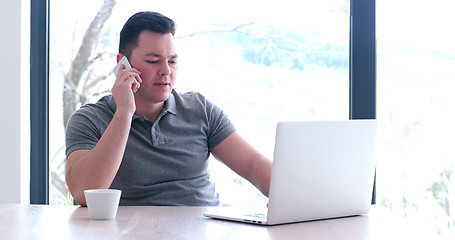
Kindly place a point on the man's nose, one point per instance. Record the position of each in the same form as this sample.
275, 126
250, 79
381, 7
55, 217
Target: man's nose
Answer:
165, 69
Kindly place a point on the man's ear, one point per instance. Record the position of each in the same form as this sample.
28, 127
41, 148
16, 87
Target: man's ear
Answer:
119, 56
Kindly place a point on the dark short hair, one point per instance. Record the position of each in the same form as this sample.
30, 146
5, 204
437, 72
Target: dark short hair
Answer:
139, 22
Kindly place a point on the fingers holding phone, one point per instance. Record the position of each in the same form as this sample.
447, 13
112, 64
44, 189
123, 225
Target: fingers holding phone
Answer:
127, 82
137, 80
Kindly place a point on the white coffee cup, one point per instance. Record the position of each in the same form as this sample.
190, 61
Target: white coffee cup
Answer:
102, 203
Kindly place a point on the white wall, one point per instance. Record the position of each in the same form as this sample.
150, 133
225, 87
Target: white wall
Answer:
14, 101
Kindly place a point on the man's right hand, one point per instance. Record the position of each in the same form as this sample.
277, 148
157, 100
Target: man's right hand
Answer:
122, 91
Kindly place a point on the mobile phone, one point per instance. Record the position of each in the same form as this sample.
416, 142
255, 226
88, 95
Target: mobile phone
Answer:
123, 61
127, 64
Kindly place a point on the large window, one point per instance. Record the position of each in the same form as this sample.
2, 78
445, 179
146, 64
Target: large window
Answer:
281, 61
416, 59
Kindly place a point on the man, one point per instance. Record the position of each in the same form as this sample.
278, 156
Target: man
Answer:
154, 144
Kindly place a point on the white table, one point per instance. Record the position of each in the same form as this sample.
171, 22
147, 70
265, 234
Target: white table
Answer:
72, 222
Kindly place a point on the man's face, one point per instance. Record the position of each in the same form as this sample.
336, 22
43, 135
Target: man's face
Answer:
156, 58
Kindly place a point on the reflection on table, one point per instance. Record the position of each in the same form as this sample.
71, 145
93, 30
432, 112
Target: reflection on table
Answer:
151, 222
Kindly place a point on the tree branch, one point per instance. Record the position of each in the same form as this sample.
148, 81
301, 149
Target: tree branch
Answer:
235, 29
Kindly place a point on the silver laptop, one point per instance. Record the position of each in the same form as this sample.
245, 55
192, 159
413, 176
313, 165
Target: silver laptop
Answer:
321, 170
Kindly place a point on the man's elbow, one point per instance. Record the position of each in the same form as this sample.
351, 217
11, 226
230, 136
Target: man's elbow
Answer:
81, 200
78, 194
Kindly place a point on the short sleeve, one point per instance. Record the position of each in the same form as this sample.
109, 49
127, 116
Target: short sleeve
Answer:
82, 130
220, 126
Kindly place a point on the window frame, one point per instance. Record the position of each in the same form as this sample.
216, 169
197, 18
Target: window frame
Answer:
362, 84
362, 63
39, 102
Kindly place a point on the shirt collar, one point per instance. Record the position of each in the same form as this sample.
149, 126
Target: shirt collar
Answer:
170, 105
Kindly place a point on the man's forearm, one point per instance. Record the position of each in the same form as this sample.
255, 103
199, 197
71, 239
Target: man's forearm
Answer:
262, 171
96, 168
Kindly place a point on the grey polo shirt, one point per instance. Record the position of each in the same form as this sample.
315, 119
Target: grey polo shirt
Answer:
165, 162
